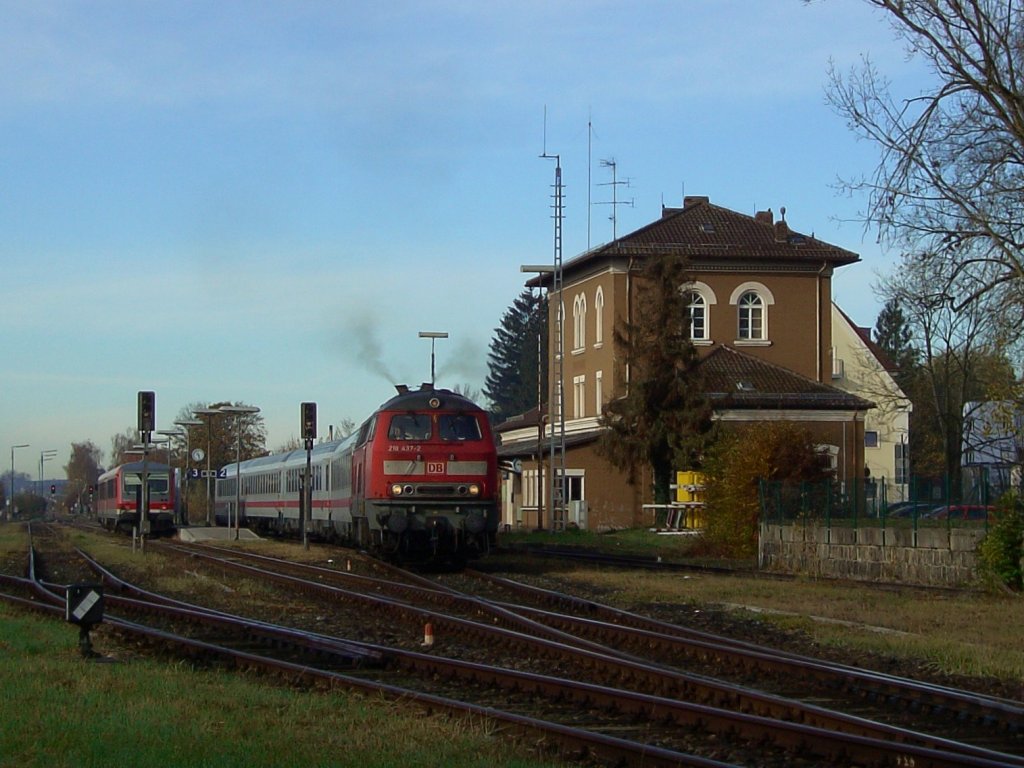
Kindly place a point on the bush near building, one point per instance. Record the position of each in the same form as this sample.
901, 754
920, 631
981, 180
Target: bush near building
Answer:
739, 459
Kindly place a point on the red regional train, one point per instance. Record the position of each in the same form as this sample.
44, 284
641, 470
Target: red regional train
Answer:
417, 483
118, 491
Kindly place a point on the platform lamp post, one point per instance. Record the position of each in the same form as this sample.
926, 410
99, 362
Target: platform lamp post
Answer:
13, 510
170, 434
209, 413
238, 411
433, 336
186, 426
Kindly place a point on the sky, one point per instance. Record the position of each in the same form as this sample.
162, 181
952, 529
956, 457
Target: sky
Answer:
266, 202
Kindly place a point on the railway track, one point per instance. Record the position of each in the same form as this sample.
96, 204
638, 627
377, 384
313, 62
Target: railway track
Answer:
630, 636
789, 734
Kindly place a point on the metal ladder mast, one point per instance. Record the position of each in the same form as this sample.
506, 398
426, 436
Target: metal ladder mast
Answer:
557, 452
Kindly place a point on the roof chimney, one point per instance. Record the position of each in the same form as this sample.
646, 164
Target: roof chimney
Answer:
781, 227
764, 217
689, 200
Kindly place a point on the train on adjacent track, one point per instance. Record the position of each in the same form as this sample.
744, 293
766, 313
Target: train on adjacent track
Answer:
416, 483
118, 496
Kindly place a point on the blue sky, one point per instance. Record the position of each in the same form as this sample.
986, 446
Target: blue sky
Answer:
267, 201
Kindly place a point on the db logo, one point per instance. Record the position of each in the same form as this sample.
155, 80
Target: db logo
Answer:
435, 467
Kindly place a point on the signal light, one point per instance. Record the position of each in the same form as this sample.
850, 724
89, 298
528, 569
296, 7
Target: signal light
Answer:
308, 421
53, 488
147, 411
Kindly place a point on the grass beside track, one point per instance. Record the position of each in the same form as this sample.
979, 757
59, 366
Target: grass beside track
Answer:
59, 710
970, 633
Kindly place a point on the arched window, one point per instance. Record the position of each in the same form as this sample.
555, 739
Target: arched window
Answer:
599, 317
751, 317
579, 322
697, 312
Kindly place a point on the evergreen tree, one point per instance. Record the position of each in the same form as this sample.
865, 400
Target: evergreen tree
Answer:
512, 380
894, 335
664, 418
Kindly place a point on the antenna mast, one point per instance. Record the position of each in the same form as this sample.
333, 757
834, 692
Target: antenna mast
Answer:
556, 400
614, 202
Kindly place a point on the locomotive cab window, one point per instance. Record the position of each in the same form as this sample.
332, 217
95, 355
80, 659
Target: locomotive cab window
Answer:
458, 427
409, 426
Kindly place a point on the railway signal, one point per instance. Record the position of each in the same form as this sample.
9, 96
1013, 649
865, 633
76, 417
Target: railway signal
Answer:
308, 421
147, 412
308, 435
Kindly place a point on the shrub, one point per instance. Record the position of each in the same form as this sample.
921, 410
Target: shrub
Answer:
1000, 552
739, 459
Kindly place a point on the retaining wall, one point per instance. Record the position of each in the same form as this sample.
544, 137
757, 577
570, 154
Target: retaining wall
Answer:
932, 556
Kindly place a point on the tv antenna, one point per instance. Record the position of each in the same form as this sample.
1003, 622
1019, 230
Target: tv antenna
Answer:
615, 183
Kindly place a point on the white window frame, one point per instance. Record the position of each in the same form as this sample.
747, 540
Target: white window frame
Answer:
765, 299
599, 317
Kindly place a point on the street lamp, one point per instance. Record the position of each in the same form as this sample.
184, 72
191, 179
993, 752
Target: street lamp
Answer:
10, 502
238, 411
170, 434
433, 336
186, 425
209, 413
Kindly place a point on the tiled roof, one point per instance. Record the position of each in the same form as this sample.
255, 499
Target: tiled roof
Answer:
705, 233
733, 379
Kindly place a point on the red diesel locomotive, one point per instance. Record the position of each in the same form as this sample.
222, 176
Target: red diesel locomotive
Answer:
418, 482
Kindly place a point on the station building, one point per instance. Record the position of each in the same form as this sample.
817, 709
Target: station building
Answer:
761, 312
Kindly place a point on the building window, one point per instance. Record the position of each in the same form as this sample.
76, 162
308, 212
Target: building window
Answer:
579, 322
902, 456
751, 317
697, 312
599, 317
599, 391
871, 439
579, 394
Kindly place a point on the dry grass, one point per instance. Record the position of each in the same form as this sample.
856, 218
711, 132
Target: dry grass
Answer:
967, 633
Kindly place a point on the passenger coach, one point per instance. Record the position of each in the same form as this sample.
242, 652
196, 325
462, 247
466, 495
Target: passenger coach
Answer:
119, 492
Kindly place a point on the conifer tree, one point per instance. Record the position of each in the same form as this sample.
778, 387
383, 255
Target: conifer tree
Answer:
512, 380
663, 418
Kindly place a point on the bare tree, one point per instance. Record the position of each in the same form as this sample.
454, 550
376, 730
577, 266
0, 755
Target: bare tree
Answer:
962, 357
950, 180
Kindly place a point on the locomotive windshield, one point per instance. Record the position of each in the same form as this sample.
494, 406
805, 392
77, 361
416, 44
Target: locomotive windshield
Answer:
459, 427
409, 426
157, 484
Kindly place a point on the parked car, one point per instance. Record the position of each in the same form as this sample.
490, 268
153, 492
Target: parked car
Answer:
909, 509
961, 512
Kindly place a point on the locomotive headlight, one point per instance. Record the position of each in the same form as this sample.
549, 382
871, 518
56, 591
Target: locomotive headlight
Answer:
396, 490
474, 489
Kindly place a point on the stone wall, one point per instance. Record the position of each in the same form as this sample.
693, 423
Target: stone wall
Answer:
932, 556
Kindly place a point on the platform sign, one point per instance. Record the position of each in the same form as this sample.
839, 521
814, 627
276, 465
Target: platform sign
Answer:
84, 604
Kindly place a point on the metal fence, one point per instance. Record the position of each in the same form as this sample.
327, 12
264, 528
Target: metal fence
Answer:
931, 501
